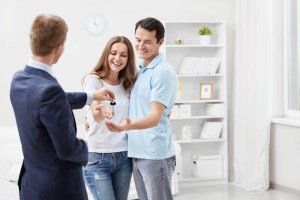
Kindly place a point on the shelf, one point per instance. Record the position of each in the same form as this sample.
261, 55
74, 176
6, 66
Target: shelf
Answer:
198, 75
194, 22
199, 141
194, 46
199, 101
199, 117
195, 179
198, 70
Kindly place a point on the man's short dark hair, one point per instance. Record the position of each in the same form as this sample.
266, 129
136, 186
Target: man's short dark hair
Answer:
152, 24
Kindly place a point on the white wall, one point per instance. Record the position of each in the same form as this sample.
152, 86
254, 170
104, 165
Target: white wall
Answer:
284, 156
82, 49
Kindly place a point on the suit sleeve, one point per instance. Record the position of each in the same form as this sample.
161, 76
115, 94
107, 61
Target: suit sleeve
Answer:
77, 100
57, 116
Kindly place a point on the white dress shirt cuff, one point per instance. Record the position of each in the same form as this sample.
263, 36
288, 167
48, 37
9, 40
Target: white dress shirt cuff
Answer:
89, 98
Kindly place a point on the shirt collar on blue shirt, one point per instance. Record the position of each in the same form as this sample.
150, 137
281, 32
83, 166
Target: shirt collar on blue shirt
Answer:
41, 66
153, 63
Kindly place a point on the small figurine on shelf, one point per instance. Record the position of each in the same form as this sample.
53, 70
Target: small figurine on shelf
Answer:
179, 41
186, 132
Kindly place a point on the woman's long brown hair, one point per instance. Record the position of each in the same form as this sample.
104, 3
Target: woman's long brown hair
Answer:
128, 73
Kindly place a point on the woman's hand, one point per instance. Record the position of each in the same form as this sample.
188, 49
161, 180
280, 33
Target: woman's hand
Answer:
102, 111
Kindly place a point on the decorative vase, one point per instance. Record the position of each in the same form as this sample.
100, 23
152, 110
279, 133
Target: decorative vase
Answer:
204, 39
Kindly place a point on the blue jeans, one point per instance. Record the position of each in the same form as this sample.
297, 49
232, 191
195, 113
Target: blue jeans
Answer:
108, 175
153, 178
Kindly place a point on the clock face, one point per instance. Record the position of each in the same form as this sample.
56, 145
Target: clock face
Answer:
95, 24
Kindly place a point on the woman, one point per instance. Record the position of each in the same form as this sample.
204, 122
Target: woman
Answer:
108, 172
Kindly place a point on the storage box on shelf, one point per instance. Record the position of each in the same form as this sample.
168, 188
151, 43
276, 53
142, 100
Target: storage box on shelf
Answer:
199, 122
207, 167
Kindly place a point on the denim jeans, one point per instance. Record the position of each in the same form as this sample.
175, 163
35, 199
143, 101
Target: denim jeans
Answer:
108, 175
153, 178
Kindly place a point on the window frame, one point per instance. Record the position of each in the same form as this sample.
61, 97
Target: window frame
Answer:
290, 113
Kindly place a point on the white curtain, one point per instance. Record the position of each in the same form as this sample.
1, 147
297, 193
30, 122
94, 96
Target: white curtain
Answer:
252, 94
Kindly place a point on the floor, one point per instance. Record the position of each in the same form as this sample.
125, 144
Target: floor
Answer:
230, 192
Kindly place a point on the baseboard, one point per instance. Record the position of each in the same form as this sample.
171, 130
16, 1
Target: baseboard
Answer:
284, 189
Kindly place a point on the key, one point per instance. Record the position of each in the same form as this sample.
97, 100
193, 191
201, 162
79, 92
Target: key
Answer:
113, 103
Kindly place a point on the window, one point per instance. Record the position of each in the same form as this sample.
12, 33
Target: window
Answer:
292, 57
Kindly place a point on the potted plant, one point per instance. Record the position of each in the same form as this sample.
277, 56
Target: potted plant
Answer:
205, 33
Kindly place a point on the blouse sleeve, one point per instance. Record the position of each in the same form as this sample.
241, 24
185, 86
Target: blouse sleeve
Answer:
92, 83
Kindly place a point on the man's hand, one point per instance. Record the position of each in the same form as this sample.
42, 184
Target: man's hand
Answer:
118, 128
103, 94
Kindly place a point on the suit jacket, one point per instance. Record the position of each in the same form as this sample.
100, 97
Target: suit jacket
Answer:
53, 156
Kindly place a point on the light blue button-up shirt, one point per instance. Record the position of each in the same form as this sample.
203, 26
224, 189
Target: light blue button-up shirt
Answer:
156, 82
48, 69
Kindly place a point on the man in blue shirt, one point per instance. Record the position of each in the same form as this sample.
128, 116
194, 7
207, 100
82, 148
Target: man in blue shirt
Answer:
151, 101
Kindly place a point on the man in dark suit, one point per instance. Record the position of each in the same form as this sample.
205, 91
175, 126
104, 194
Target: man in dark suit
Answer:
53, 156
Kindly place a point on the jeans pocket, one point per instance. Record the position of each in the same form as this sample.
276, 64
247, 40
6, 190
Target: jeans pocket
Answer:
93, 159
90, 163
171, 162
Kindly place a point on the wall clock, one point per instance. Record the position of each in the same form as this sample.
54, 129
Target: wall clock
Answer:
95, 24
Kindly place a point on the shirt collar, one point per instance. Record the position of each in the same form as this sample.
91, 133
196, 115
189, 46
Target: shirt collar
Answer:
153, 63
41, 66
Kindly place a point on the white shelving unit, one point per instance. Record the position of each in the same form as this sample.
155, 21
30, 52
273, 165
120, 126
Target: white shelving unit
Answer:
204, 161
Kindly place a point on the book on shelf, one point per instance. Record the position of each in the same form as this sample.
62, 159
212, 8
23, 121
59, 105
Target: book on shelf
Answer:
199, 65
211, 130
